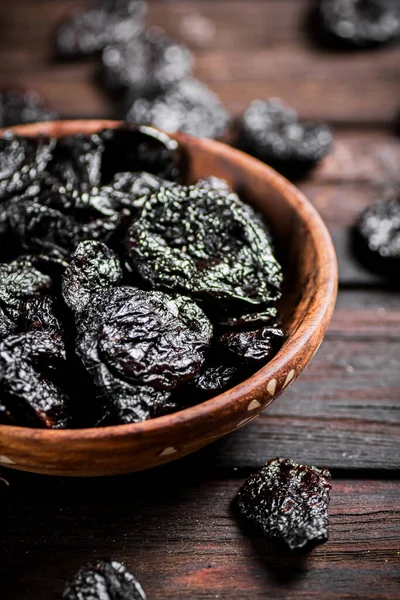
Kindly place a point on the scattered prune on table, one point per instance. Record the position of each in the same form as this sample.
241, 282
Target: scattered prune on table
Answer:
190, 107
258, 345
85, 33
22, 161
377, 237
93, 267
359, 23
270, 131
29, 365
148, 63
23, 106
206, 244
144, 338
104, 580
135, 148
288, 501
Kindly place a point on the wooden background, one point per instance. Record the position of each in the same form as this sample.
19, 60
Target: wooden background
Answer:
173, 526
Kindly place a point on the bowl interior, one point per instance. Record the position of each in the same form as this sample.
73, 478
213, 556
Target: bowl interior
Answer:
305, 250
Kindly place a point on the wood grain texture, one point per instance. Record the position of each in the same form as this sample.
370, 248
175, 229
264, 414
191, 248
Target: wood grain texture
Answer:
175, 529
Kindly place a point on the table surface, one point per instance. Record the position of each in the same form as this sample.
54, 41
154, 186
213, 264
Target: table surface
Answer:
173, 526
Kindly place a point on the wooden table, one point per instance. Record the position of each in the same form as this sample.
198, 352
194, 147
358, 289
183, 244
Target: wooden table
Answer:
173, 526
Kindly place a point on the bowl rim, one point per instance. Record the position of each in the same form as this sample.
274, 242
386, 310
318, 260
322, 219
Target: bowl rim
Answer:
320, 305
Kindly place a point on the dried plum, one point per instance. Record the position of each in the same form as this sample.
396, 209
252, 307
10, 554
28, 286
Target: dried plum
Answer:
135, 187
148, 63
190, 107
206, 244
377, 237
22, 161
269, 317
104, 580
76, 161
145, 338
22, 106
359, 23
29, 364
258, 345
139, 148
41, 313
288, 501
215, 378
93, 267
270, 131
85, 33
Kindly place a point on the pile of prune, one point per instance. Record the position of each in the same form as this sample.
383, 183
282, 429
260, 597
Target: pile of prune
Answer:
23, 106
124, 293
288, 502
104, 580
359, 23
270, 131
376, 237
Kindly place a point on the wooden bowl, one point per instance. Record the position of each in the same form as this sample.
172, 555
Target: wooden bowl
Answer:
306, 252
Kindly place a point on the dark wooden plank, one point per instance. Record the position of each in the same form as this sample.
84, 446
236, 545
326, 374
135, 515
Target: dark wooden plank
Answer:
360, 87
175, 529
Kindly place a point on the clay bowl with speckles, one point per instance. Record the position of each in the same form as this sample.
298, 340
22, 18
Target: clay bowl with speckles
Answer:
308, 257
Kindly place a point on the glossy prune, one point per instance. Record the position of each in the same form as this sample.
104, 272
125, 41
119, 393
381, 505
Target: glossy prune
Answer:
269, 316
104, 580
190, 107
93, 267
215, 378
148, 63
144, 338
22, 161
377, 237
41, 313
135, 187
288, 502
85, 33
206, 244
29, 365
135, 148
360, 23
23, 106
258, 345
76, 161
270, 131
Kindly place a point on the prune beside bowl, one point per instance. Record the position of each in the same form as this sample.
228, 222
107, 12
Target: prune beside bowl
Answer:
305, 250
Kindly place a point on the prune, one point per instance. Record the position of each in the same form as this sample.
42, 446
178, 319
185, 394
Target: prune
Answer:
377, 237
190, 107
29, 362
288, 501
213, 184
87, 32
93, 267
269, 316
144, 338
216, 378
55, 222
270, 131
104, 580
76, 161
205, 244
22, 161
258, 345
148, 63
360, 23
139, 148
135, 187
22, 106
41, 314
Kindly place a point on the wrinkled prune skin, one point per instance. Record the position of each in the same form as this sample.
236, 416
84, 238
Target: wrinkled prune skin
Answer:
41, 313
205, 244
104, 580
29, 364
359, 23
19, 106
270, 131
139, 148
258, 345
144, 338
22, 161
135, 187
148, 63
377, 237
269, 317
288, 502
76, 161
93, 267
85, 33
216, 378
190, 107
